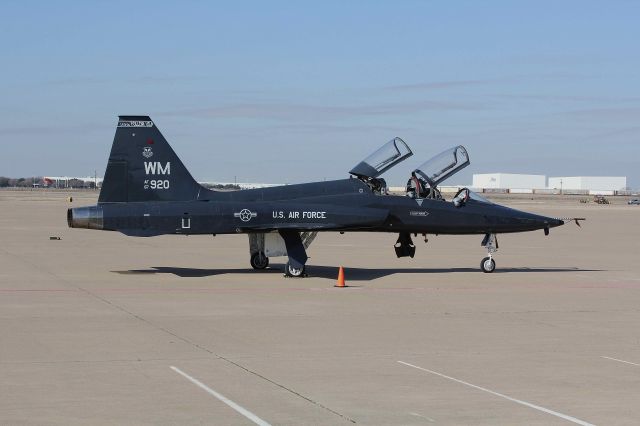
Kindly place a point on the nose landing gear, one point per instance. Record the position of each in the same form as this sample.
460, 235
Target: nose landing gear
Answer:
488, 265
490, 241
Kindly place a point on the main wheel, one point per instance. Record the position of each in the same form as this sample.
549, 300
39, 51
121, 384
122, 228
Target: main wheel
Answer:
488, 265
259, 260
292, 271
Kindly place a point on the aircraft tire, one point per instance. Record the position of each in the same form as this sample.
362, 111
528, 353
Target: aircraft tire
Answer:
290, 271
259, 260
488, 265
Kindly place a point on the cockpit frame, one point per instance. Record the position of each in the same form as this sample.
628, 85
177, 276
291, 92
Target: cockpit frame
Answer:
424, 180
382, 159
443, 165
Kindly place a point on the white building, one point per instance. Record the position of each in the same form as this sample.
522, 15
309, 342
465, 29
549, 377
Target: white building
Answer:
244, 185
63, 181
509, 181
592, 183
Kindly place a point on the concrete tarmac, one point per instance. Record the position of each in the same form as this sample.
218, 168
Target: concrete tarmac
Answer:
92, 324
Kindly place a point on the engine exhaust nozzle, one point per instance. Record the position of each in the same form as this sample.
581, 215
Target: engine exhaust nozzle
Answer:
85, 217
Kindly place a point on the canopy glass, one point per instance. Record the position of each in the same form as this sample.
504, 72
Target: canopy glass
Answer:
444, 165
385, 157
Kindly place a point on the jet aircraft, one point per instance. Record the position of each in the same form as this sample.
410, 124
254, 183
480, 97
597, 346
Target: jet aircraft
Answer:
147, 191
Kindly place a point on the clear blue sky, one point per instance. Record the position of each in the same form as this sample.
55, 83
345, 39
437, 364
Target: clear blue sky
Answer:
274, 91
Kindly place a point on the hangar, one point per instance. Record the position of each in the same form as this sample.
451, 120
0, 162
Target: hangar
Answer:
523, 183
509, 181
592, 183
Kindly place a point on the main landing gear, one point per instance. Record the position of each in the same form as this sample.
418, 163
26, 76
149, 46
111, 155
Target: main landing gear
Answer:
490, 241
290, 243
257, 250
296, 253
292, 271
259, 260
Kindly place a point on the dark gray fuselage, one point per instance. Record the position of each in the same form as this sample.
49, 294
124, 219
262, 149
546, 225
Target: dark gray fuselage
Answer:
341, 205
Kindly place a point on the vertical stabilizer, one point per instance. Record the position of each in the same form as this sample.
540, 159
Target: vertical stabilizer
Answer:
143, 167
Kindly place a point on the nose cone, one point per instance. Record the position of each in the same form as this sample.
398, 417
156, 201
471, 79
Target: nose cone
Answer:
555, 222
532, 221
505, 219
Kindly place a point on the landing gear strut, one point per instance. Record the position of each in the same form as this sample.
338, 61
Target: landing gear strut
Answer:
490, 241
296, 253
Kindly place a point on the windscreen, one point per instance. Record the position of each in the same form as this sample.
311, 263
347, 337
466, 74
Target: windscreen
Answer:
465, 194
475, 196
385, 157
444, 165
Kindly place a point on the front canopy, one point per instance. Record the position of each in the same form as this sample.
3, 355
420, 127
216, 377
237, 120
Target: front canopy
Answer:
444, 165
387, 156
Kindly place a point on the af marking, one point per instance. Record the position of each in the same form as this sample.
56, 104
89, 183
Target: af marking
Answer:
279, 214
157, 184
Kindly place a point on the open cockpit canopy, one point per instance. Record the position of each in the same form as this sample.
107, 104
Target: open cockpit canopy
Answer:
443, 165
385, 157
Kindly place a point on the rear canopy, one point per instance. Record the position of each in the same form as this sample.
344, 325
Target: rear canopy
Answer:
385, 157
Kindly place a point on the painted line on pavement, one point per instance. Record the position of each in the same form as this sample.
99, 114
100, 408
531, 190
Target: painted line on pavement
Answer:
527, 404
620, 360
248, 414
421, 416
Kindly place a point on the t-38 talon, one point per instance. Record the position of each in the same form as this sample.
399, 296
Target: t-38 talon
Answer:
147, 191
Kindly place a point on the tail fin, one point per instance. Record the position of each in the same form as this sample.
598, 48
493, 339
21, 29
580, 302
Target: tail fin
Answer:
143, 167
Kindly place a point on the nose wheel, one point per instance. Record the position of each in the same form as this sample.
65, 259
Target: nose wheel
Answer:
490, 242
488, 265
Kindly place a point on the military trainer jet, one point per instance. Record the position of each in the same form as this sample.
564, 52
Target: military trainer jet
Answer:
147, 191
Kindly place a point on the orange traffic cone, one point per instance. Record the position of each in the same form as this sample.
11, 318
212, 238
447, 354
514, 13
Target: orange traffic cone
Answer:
340, 282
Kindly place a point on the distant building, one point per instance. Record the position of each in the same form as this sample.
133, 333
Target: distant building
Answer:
509, 181
592, 183
242, 185
63, 181
518, 183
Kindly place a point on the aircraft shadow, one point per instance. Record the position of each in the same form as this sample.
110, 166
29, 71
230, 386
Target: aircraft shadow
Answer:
194, 272
331, 272
365, 274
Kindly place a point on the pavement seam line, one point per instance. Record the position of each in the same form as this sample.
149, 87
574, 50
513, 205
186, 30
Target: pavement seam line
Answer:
185, 340
238, 365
